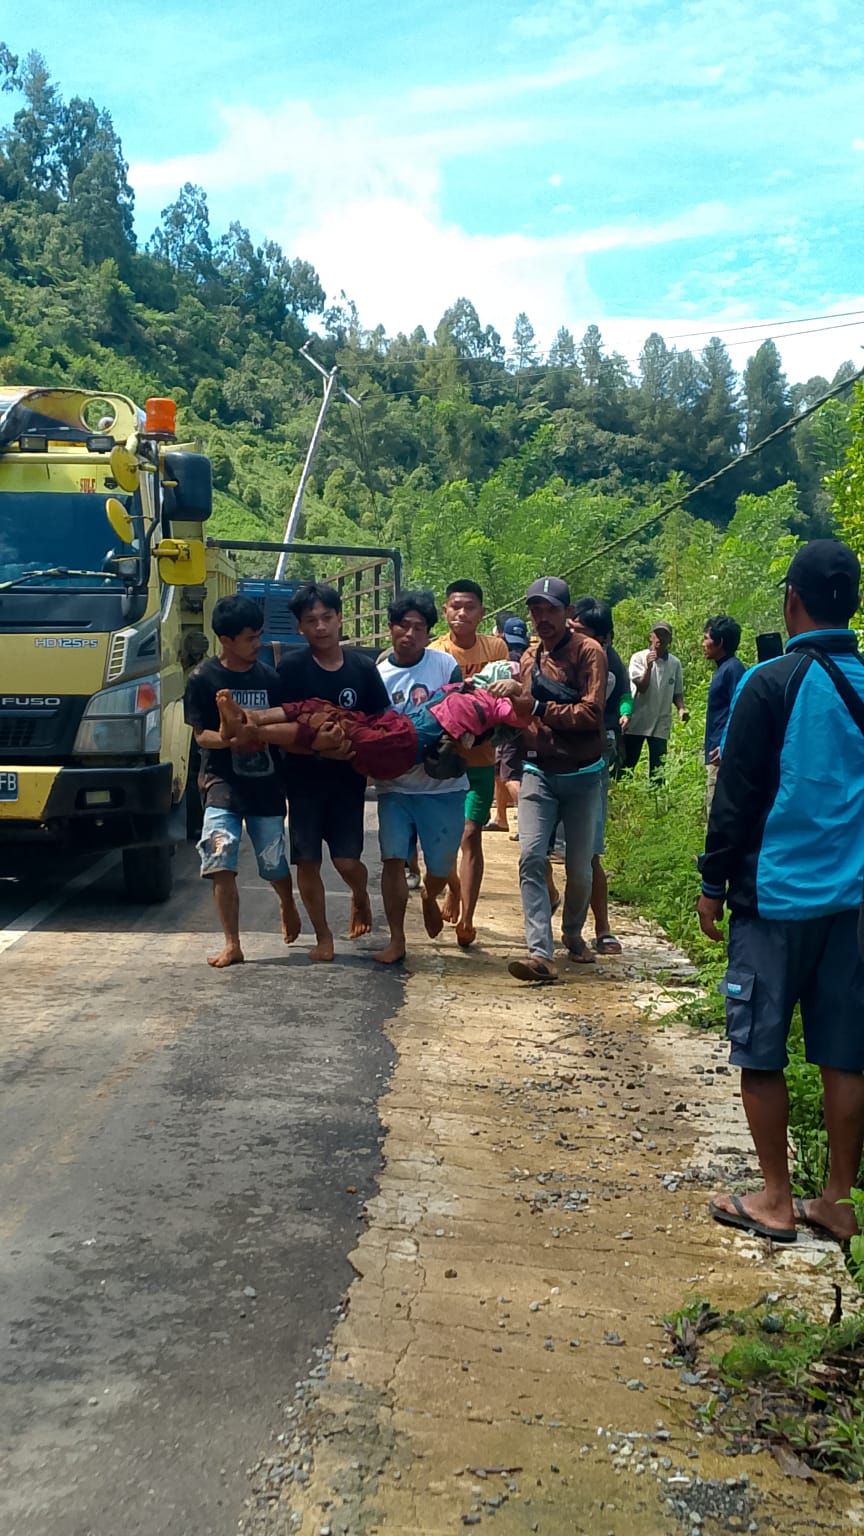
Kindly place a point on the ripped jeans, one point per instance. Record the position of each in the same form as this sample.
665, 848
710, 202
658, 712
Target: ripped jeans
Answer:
219, 847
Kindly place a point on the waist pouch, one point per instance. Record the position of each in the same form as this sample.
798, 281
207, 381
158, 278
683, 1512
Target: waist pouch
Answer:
550, 690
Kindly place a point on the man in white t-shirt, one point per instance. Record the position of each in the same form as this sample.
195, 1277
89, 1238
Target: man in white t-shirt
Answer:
657, 682
416, 807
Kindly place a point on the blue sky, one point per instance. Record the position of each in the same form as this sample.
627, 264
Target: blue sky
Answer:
681, 164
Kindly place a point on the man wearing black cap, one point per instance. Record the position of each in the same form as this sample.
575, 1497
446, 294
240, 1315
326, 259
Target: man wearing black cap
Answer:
565, 675
785, 853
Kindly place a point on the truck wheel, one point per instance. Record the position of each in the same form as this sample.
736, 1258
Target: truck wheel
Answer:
148, 873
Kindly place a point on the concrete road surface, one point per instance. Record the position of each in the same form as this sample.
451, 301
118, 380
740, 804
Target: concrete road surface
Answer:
184, 1155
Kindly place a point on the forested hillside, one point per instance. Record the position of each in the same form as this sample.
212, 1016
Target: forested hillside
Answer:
471, 451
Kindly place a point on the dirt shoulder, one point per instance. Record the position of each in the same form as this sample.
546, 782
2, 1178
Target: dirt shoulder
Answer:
548, 1157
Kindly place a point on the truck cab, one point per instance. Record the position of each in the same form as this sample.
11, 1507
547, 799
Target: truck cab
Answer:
105, 595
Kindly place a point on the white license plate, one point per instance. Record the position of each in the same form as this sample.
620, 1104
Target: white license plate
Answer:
8, 785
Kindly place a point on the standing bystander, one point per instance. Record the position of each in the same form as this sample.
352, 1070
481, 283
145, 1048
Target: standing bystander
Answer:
720, 643
658, 683
785, 853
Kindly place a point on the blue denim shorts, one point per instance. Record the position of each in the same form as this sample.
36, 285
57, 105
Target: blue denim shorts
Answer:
437, 820
219, 847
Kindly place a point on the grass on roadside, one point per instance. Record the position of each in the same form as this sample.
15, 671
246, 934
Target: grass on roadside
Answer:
776, 1380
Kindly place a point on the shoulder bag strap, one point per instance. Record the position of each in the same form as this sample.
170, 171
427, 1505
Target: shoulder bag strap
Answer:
851, 698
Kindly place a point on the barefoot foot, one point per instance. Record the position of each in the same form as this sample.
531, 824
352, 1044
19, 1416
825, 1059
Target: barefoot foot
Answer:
361, 917
391, 955
291, 923
433, 918
452, 906
323, 951
466, 933
231, 716
232, 954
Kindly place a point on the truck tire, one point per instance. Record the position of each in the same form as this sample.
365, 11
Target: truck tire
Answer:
148, 873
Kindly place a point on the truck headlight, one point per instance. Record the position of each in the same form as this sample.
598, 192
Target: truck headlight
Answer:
124, 721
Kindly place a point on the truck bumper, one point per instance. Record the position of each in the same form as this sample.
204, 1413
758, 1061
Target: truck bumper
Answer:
89, 807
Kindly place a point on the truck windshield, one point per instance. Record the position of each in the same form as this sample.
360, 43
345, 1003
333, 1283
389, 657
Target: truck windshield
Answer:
53, 532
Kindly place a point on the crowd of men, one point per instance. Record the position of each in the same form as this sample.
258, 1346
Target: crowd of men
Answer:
784, 755
576, 701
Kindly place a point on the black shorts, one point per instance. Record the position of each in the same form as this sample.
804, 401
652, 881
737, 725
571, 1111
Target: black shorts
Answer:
510, 760
775, 964
334, 819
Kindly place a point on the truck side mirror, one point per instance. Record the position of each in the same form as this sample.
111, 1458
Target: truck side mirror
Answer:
124, 468
187, 486
182, 562
120, 520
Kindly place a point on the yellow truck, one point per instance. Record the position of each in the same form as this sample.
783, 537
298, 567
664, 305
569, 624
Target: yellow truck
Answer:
106, 592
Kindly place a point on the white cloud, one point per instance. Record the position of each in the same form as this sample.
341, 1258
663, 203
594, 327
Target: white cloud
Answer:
583, 64
362, 196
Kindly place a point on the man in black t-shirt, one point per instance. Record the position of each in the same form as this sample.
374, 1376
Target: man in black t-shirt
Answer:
238, 787
326, 797
596, 618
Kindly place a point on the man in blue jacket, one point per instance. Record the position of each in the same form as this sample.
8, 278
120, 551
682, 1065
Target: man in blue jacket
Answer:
720, 642
785, 853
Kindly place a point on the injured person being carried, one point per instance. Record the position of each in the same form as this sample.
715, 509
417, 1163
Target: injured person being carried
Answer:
434, 732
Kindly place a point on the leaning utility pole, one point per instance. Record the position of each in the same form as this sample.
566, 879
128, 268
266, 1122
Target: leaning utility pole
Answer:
330, 387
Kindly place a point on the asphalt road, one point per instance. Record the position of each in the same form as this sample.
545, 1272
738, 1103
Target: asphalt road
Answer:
172, 1140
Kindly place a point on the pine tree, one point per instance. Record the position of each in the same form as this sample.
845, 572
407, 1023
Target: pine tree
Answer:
767, 404
562, 353
525, 354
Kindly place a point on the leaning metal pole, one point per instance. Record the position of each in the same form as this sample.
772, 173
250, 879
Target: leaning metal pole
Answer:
297, 503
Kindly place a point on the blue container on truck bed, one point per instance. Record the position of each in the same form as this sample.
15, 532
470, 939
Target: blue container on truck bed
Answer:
280, 625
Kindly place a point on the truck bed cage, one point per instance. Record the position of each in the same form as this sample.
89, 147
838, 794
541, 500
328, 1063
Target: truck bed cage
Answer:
364, 588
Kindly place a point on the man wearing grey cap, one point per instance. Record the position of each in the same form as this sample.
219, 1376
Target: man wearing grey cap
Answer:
658, 683
564, 673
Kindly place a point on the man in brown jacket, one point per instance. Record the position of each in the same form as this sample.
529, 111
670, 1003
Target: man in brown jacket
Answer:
565, 674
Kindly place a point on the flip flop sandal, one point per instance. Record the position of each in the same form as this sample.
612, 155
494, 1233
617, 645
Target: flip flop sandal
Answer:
532, 969
815, 1227
581, 956
607, 944
747, 1223
494, 826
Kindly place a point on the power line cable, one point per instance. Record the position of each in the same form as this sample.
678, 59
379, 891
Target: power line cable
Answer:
816, 330
763, 325
663, 512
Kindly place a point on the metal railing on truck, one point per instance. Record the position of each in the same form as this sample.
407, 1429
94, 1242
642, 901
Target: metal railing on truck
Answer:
366, 589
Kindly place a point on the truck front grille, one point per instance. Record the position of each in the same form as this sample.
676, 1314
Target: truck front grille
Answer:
17, 734
40, 735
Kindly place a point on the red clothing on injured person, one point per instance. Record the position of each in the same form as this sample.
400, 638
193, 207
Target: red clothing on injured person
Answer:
385, 745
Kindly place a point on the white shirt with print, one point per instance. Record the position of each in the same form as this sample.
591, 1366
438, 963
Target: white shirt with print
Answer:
409, 686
